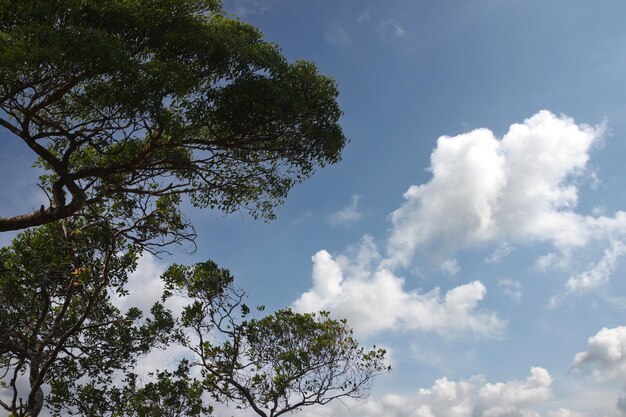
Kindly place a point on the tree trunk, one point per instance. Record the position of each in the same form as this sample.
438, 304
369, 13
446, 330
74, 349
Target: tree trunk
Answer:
35, 398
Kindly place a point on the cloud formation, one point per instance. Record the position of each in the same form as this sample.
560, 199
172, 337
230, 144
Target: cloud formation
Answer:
606, 356
511, 289
374, 299
473, 397
599, 273
485, 189
520, 189
348, 214
390, 29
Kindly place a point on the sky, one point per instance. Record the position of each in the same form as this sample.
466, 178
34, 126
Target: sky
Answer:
476, 226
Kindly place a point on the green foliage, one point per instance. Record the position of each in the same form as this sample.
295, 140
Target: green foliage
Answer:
273, 365
60, 329
167, 394
128, 100
172, 394
58, 324
130, 105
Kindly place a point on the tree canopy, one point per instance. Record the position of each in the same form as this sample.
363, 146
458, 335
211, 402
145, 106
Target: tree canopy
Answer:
273, 365
132, 100
129, 105
61, 329
58, 324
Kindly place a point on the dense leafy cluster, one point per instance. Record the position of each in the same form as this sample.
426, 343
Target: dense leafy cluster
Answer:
273, 365
60, 328
123, 99
58, 323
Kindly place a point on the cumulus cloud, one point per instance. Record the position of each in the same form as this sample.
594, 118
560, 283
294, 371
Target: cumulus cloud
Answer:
374, 299
605, 360
484, 189
522, 188
144, 287
515, 398
473, 397
606, 356
347, 215
519, 189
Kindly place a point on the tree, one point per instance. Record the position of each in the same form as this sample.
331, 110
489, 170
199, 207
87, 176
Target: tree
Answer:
60, 328
129, 105
57, 321
274, 365
131, 101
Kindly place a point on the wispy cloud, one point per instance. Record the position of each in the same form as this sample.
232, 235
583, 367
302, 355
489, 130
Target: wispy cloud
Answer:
244, 8
511, 289
347, 215
598, 274
365, 16
450, 266
390, 29
499, 253
337, 35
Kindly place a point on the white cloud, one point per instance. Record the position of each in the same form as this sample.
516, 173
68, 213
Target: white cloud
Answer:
515, 398
512, 289
500, 252
522, 188
564, 412
473, 397
365, 16
145, 288
244, 8
390, 29
606, 356
485, 189
450, 266
519, 189
599, 273
374, 299
338, 36
349, 214
605, 360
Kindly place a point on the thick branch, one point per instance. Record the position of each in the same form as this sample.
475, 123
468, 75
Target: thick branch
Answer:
42, 216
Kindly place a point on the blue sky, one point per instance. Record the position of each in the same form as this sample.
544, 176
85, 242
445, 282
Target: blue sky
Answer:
476, 226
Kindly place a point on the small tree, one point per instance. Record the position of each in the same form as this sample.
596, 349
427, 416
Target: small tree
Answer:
57, 322
274, 365
136, 100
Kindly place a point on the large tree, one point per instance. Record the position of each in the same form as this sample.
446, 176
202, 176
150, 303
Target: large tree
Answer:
132, 100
